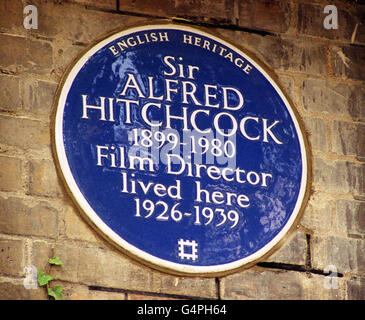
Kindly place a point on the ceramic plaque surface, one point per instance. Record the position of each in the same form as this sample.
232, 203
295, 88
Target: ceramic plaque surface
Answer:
180, 149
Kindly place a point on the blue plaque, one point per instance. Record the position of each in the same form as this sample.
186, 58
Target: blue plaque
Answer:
181, 149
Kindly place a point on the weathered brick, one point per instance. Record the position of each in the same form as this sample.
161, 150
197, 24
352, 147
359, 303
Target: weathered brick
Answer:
144, 296
293, 251
285, 54
75, 23
11, 13
338, 177
318, 215
350, 216
195, 10
287, 84
325, 287
72, 291
311, 17
65, 53
77, 228
273, 16
317, 133
356, 289
334, 250
18, 55
359, 34
18, 216
200, 10
339, 99
71, 257
105, 4
196, 287
24, 133
37, 97
360, 102
9, 94
348, 138
88, 260
10, 174
102, 267
360, 250
142, 279
157, 8
41, 251
17, 291
263, 285
359, 179
43, 179
11, 257
348, 62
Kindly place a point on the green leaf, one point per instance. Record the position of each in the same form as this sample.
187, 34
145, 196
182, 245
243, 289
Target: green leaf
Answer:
55, 292
56, 261
43, 279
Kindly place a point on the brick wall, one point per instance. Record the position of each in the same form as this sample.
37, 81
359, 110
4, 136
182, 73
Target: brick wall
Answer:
321, 70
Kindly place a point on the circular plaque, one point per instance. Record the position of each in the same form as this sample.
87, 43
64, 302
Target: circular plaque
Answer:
181, 149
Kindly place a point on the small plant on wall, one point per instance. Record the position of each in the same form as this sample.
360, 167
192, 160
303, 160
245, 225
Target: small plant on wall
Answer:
44, 279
